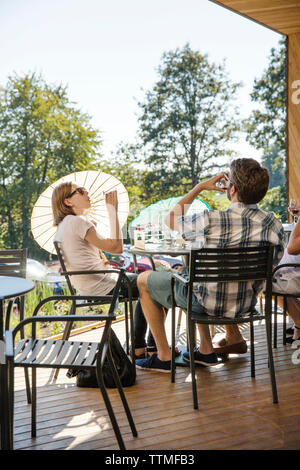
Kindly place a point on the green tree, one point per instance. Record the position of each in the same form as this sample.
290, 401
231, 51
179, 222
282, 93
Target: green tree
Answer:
43, 136
187, 120
272, 160
266, 126
275, 202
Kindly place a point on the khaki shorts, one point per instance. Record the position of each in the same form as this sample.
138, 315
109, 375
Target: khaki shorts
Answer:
159, 288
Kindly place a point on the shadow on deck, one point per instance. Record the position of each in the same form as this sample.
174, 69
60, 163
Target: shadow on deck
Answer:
235, 411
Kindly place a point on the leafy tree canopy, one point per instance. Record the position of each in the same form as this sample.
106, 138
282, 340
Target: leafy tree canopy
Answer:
43, 136
266, 126
187, 120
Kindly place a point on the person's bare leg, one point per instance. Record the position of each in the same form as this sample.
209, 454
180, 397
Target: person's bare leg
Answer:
293, 310
155, 317
206, 346
233, 334
139, 351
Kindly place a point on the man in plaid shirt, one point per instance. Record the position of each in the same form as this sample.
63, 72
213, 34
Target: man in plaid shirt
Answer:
243, 224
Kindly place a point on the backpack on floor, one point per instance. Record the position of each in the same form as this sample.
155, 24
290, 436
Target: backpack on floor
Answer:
124, 366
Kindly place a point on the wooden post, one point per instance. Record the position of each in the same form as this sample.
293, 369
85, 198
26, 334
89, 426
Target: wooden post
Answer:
294, 115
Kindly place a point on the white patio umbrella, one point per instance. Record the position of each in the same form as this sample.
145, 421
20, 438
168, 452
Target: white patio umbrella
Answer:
97, 183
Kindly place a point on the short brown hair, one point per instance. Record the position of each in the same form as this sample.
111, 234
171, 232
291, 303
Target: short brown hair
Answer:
250, 179
59, 208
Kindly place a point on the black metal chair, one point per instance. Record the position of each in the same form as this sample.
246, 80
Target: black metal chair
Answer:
224, 266
127, 301
13, 263
285, 297
62, 354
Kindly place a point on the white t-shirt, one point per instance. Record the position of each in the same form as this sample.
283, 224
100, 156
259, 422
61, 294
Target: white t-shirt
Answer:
288, 279
81, 255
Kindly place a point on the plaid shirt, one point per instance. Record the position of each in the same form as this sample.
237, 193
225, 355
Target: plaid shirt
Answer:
239, 226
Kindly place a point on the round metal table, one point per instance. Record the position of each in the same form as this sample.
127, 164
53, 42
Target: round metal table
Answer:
10, 288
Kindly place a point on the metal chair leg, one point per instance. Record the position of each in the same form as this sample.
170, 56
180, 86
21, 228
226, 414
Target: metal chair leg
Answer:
110, 411
121, 392
104, 352
33, 406
132, 340
284, 320
192, 363
22, 335
4, 403
252, 349
173, 336
126, 327
179, 322
275, 322
10, 371
270, 358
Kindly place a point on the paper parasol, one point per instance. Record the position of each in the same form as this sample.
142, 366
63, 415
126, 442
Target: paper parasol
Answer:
97, 183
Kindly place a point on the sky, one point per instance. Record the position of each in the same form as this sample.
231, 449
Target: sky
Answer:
107, 51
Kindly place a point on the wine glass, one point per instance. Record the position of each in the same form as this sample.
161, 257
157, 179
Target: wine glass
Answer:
294, 209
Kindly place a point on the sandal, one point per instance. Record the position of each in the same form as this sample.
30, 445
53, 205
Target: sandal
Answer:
222, 347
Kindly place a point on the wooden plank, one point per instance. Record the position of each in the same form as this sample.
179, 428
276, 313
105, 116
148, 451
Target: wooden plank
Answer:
236, 411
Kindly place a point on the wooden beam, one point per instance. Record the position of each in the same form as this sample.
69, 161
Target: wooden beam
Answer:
280, 16
294, 115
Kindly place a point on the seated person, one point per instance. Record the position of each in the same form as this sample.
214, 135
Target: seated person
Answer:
242, 224
288, 280
81, 244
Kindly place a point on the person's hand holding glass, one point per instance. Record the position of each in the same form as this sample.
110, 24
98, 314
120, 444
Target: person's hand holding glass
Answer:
294, 209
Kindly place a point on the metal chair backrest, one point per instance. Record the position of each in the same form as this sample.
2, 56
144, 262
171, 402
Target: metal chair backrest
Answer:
223, 265
13, 262
61, 259
231, 264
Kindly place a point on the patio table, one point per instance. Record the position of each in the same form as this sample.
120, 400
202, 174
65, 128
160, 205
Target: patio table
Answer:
288, 228
159, 249
10, 288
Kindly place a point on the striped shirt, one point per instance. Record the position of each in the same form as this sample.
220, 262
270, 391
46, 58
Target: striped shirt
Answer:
240, 225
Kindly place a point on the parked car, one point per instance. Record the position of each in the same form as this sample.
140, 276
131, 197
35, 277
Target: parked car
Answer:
161, 262
117, 261
37, 272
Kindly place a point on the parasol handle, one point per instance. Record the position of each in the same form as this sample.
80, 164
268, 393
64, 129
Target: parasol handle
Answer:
103, 257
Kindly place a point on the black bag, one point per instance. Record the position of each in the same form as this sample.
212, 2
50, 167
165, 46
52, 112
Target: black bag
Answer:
125, 368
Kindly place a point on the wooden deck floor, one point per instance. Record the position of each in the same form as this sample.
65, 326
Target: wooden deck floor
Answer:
235, 411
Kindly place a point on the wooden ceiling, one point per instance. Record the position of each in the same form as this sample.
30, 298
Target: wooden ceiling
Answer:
281, 15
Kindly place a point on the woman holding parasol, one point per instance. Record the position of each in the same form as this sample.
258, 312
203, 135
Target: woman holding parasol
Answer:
81, 243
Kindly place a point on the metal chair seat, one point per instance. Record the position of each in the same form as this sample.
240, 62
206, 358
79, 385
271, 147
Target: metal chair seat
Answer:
56, 354
210, 320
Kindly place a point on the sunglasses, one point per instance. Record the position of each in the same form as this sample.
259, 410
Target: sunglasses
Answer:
79, 191
227, 179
